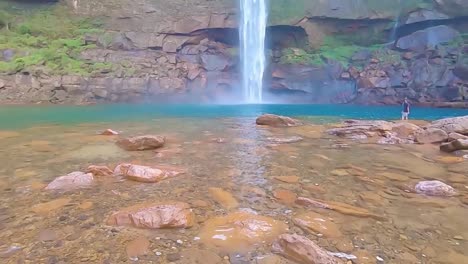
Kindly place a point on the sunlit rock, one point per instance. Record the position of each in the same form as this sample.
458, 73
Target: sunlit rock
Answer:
431, 135
453, 124
277, 121
99, 170
240, 231
435, 188
141, 142
454, 136
358, 129
51, 206
302, 250
109, 132
224, 198
317, 224
71, 181
405, 129
154, 216
337, 206
146, 174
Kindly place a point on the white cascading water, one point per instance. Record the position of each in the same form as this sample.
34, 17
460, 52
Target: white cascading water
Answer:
252, 48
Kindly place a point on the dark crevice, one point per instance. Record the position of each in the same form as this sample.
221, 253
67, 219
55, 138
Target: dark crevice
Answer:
405, 30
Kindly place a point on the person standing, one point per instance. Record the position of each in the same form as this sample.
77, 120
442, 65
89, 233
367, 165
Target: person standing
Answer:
406, 110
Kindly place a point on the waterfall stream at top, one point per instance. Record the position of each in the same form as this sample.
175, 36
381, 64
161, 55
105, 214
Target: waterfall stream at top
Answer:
252, 31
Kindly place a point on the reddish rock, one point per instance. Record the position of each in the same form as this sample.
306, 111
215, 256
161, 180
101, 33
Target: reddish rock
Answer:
109, 132
141, 143
71, 181
146, 174
154, 216
435, 188
302, 250
277, 121
99, 170
285, 196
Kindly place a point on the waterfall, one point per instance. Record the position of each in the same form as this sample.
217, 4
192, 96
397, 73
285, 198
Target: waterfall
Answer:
252, 48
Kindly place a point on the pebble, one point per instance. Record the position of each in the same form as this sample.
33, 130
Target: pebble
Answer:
458, 238
379, 259
180, 242
158, 253
196, 238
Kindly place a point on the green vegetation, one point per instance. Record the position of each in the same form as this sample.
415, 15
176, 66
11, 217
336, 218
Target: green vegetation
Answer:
333, 48
51, 39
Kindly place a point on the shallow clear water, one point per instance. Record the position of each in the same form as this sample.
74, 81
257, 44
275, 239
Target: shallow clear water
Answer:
221, 147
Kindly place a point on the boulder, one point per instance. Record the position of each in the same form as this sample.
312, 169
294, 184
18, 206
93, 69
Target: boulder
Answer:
109, 132
431, 135
405, 129
302, 250
71, 181
454, 124
154, 216
454, 136
141, 142
459, 144
434, 188
430, 37
146, 174
240, 230
277, 121
361, 129
424, 15
99, 170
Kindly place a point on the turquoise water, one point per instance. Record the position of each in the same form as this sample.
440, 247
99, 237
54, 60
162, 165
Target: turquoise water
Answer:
24, 116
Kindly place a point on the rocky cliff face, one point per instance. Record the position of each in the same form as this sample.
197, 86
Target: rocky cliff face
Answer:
342, 51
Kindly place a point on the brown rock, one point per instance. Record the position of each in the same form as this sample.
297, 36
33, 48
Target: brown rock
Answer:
109, 132
154, 216
277, 121
302, 250
288, 179
459, 144
337, 206
141, 143
316, 223
405, 129
285, 196
449, 159
138, 247
431, 135
146, 174
99, 170
240, 230
71, 181
454, 124
224, 198
454, 136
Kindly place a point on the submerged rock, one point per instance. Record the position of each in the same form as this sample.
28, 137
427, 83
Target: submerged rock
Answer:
277, 121
224, 198
146, 174
138, 247
154, 216
338, 207
71, 181
459, 144
431, 135
302, 250
109, 132
435, 188
237, 232
99, 170
51, 206
288, 179
285, 140
318, 224
141, 142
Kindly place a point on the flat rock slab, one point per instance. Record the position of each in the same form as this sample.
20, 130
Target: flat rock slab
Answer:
154, 216
338, 207
71, 181
302, 250
277, 121
146, 174
141, 143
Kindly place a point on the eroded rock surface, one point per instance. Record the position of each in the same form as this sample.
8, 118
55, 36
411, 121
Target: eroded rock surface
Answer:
154, 216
